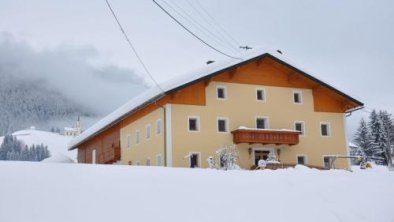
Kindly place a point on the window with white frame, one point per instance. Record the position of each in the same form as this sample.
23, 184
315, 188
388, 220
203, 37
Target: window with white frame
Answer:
260, 95
137, 137
221, 92
301, 159
147, 131
261, 122
325, 129
222, 124
193, 123
158, 126
128, 141
297, 97
300, 126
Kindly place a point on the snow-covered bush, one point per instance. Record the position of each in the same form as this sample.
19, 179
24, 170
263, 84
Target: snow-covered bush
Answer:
227, 157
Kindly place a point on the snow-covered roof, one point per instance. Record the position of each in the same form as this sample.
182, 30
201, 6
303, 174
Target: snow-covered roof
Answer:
155, 93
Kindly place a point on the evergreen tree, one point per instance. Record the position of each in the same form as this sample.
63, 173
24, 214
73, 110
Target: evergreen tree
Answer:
379, 138
10, 148
363, 140
388, 130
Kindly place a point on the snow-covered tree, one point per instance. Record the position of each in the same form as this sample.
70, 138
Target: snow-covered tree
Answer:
10, 147
379, 139
388, 130
227, 157
363, 140
13, 149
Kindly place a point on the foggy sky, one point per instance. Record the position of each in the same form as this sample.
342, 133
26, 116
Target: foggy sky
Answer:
67, 70
346, 43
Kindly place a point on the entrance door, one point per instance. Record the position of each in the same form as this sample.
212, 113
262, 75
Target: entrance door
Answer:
194, 160
260, 154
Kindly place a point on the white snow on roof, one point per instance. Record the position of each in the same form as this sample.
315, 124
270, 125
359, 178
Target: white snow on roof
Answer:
172, 84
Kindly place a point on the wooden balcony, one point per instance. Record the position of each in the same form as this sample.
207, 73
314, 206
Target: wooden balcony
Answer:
263, 136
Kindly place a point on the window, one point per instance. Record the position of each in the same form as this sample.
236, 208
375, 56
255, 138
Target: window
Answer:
138, 163
260, 94
300, 126
148, 162
128, 141
137, 137
221, 92
147, 131
194, 124
261, 123
297, 97
301, 159
325, 129
158, 127
222, 125
158, 160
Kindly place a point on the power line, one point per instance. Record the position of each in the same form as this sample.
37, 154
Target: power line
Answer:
192, 33
221, 39
133, 48
217, 23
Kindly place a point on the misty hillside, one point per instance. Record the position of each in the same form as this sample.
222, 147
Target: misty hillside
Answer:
24, 103
50, 88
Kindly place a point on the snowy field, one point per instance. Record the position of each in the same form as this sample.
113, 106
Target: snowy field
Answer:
49, 192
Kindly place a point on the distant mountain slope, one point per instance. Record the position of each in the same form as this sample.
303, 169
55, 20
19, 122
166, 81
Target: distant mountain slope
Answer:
26, 102
57, 144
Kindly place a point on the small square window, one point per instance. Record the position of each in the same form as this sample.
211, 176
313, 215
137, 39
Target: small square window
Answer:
194, 124
325, 129
299, 126
301, 160
222, 125
261, 123
297, 97
221, 92
260, 95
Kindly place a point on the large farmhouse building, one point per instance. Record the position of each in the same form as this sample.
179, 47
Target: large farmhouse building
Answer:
264, 104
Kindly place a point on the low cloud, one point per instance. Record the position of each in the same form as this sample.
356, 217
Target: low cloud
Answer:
70, 70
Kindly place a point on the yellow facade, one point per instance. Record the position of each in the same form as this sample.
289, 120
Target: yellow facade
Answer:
146, 151
240, 108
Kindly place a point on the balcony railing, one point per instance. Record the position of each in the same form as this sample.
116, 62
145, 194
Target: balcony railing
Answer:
265, 136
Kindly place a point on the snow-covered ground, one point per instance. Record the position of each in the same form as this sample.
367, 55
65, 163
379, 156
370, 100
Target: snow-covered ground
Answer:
45, 192
57, 144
